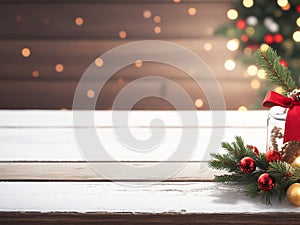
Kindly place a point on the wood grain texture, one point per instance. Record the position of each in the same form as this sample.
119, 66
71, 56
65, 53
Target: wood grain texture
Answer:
134, 218
84, 172
105, 20
48, 29
133, 197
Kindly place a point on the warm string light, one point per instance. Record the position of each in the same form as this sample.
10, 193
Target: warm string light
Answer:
207, 47
232, 14
157, 29
233, 44
138, 63
90, 93
192, 11
252, 70
255, 84
59, 68
282, 3
99, 62
296, 36
35, 73
298, 22
122, 34
261, 74
25, 52
199, 103
79, 21
242, 108
248, 3
157, 19
147, 14
229, 65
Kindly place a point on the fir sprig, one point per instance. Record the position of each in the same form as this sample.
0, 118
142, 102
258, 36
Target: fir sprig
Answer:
283, 173
276, 73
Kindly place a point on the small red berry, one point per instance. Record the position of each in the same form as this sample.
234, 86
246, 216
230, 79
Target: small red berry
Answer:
273, 155
254, 149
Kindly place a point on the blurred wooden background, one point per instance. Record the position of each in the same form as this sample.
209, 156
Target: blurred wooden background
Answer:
47, 45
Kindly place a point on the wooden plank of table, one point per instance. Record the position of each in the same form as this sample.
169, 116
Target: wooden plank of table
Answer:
150, 218
60, 144
141, 197
140, 118
84, 172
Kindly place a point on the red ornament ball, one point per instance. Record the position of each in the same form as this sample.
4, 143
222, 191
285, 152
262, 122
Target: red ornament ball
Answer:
244, 38
278, 38
247, 165
269, 38
254, 149
241, 24
283, 62
273, 155
265, 182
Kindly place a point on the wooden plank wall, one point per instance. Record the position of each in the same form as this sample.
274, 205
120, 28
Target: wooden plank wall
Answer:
49, 31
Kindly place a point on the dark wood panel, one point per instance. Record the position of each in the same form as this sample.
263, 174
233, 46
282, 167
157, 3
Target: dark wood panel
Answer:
76, 56
56, 20
142, 218
56, 95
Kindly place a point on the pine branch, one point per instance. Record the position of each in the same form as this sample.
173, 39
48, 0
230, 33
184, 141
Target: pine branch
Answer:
222, 162
261, 161
275, 72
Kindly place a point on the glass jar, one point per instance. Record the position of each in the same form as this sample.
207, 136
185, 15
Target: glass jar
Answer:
276, 125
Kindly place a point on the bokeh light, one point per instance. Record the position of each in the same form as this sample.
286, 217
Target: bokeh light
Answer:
232, 14
229, 64
233, 44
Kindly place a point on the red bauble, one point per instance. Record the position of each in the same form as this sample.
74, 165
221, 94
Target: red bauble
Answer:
283, 62
244, 38
265, 182
278, 38
241, 24
269, 38
273, 155
247, 165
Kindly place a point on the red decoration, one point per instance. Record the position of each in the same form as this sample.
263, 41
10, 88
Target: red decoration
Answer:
241, 24
292, 123
283, 62
273, 156
244, 38
278, 38
265, 182
298, 8
269, 38
247, 165
254, 149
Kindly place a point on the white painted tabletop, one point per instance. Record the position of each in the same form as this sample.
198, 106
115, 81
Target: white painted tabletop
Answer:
38, 146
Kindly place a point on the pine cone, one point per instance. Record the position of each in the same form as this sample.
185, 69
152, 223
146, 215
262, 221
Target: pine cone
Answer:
275, 133
290, 151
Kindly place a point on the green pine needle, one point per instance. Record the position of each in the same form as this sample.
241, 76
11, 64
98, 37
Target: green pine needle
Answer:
275, 72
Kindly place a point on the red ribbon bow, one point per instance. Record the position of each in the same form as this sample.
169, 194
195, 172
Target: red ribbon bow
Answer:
292, 123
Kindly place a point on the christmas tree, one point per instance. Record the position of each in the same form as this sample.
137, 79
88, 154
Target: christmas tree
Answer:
256, 23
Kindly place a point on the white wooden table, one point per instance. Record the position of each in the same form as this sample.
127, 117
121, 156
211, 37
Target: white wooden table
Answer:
45, 178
